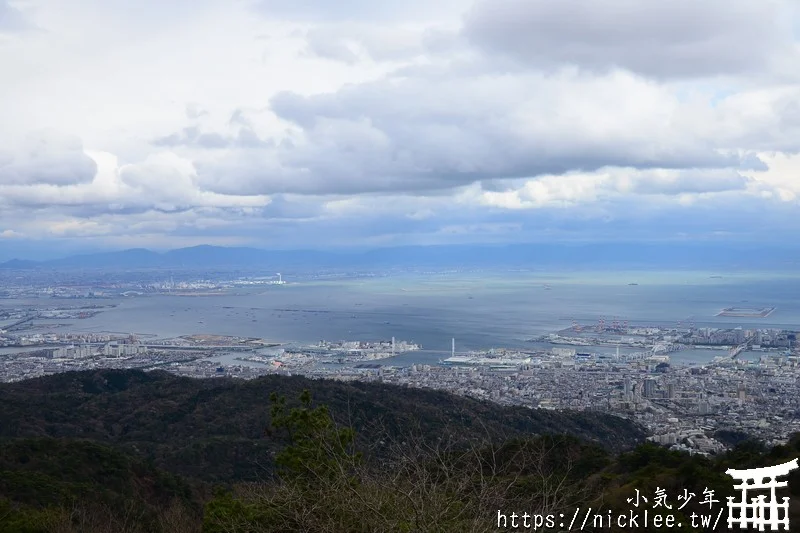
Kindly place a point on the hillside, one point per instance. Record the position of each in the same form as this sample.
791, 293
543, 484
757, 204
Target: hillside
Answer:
129, 451
65, 479
217, 429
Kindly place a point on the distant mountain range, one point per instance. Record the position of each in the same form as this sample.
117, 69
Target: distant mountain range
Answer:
615, 255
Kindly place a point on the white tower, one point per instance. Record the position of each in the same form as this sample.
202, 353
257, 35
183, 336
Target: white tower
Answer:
453, 347
280, 280
392, 346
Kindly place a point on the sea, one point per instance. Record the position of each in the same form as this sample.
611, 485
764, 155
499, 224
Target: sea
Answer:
481, 310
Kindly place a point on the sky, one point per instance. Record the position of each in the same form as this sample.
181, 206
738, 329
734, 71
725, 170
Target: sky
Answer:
319, 124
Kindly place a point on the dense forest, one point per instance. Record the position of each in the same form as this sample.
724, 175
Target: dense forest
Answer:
130, 451
220, 429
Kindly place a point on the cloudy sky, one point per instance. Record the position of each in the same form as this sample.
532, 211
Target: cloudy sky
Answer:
312, 123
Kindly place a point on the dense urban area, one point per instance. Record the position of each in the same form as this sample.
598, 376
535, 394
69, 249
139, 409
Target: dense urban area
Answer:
682, 406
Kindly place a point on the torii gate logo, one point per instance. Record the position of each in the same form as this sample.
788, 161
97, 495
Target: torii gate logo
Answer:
760, 512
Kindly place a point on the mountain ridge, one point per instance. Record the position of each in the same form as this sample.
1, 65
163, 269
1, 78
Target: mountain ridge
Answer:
212, 428
623, 255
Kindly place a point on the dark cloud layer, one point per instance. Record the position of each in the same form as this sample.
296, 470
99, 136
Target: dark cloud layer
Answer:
420, 135
679, 38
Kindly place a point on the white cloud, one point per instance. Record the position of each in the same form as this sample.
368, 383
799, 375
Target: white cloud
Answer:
317, 122
9, 234
46, 157
163, 182
781, 179
418, 134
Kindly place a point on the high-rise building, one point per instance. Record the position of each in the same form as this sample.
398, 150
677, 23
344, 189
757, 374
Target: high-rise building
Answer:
649, 388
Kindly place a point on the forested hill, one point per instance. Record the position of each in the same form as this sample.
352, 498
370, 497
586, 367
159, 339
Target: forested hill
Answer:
218, 429
137, 452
